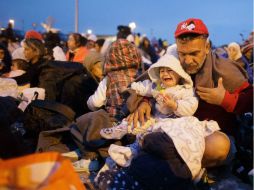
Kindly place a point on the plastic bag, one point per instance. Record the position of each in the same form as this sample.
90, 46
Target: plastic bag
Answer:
44, 171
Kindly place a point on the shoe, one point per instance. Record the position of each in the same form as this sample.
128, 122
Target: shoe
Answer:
73, 155
203, 182
109, 165
116, 132
144, 128
122, 155
86, 165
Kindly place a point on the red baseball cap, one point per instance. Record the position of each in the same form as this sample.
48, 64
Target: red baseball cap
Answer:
34, 35
191, 25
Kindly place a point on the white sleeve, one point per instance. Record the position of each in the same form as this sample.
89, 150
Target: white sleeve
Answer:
98, 99
187, 104
143, 88
58, 54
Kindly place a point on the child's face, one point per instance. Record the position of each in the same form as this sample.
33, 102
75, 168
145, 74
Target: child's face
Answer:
168, 77
97, 70
14, 66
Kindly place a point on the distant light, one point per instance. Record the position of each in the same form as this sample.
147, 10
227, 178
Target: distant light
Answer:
89, 31
132, 25
2, 28
11, 21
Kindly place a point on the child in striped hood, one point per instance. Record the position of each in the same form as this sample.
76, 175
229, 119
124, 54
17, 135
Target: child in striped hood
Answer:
120, 69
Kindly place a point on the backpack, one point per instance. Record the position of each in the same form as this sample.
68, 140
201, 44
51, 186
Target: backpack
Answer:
68, 83
11, 143
43, 115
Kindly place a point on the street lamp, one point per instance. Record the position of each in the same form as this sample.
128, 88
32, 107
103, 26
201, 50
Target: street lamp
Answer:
76, 15
11, 21
132, 25
89, 31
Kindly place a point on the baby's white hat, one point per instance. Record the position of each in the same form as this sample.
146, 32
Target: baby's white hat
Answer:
173, 63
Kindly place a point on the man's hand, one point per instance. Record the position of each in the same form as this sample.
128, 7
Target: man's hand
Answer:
143, 111
212, 95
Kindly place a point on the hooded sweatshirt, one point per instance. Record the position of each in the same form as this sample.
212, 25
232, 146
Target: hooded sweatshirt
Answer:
182, 93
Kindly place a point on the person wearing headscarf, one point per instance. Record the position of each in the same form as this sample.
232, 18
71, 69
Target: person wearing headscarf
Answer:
235, 54
94, 64
247, 49
120, 68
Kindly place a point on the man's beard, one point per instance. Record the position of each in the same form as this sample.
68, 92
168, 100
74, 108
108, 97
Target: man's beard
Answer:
195, 67
191, 68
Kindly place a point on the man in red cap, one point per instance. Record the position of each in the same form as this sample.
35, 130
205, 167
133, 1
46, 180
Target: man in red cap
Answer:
221, 85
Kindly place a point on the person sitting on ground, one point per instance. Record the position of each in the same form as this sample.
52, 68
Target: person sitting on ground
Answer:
171, 87
221, 95
19, 64
93, 63
77, 50
19, 67
33, 52
53, 49
98, 44
223, 90
247, 48
235, 54
120, 67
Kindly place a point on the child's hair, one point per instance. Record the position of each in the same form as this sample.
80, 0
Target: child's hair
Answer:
21, 64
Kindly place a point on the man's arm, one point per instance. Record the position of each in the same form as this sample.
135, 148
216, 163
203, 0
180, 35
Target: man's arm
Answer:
240, 101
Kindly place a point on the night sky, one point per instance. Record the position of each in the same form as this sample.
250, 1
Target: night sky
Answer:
225, 19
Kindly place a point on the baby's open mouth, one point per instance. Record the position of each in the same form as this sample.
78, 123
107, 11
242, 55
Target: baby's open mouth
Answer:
167, 79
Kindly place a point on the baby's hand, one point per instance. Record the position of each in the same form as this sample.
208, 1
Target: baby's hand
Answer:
159, 98
166, 100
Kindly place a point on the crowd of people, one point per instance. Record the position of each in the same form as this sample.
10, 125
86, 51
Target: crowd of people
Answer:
153, 115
